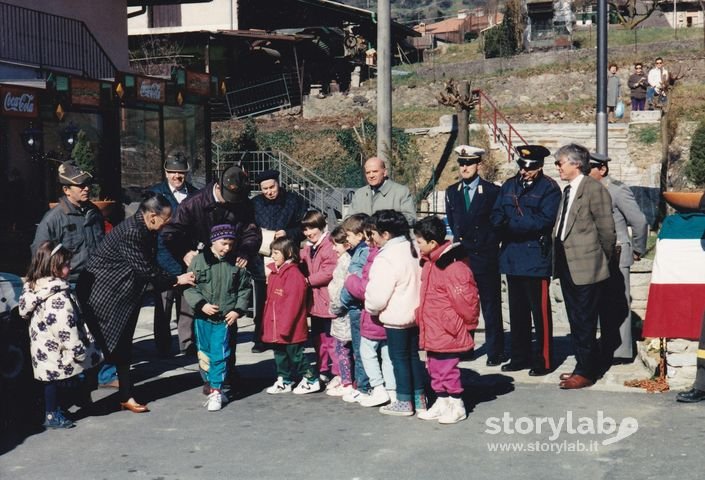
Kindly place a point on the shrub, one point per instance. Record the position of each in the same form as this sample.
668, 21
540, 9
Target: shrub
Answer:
648, 135
695, 169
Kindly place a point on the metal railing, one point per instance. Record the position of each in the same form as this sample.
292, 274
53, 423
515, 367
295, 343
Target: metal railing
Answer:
507, 140
317, 192
41, 39
264, 95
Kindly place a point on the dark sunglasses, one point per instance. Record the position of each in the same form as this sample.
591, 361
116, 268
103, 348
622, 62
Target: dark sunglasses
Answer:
464, 162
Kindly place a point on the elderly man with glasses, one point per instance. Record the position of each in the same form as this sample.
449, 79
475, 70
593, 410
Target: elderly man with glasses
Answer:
524, 215
74, 222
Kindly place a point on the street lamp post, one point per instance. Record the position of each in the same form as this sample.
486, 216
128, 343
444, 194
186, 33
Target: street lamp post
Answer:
384, 82
601, 116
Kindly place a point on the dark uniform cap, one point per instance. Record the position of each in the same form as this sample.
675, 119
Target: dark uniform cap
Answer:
531, 156
70, 174
267, 175
598, 159
176, 163
234, 185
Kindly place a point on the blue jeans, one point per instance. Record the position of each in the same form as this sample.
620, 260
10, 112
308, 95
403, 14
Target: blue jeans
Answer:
409, 372
213, 350
361, 380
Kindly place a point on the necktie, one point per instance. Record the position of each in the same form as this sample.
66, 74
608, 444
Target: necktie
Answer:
466, 192
564, 211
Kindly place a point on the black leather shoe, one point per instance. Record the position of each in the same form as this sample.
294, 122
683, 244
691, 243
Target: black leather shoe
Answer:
513, 367
539, 372
493, 362
691, 396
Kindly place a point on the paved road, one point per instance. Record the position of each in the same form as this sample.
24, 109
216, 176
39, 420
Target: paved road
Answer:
259, 436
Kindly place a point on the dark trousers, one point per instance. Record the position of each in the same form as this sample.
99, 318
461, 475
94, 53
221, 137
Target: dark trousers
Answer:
638, 104
615, 316
163, 304
529, 297
291, 363
184, 326
259, 290
700, 373
582, 306
489, 287
403, 344
121, 357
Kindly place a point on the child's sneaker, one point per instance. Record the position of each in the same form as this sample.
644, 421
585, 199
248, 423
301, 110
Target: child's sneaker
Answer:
279, 387
398, 409
379, 396
215, 401
57, 420
455, 412
436, 411
420, 402
339, 391
335, 382
305, 387
355, 396
324, 378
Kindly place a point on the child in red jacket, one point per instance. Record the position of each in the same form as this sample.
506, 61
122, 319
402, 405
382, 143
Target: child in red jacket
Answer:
284, 319
448, 310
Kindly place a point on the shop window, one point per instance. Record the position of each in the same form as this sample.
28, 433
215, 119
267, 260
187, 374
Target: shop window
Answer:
140, 154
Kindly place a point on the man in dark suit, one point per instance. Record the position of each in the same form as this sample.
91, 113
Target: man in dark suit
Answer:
584, 242
176, 189
524, 214
468, 207
616, 342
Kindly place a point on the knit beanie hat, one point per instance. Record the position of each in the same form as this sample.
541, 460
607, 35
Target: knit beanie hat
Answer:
222, 231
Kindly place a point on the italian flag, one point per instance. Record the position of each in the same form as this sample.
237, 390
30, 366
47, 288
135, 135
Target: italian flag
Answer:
677, 291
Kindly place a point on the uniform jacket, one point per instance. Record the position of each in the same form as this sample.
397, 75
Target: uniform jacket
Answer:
165, 259
393, 289
473, 228
111, 287
449, 305
390, 196
626, 213
218, 282
283, 213
318, 267
284, 319
590, 235
524, 219
370, 326
198, 214
78, 230
60, 344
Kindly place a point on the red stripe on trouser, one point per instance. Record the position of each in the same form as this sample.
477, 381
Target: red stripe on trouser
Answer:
545, 323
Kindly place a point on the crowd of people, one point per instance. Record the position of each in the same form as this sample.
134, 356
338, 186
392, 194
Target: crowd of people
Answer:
647, 90
374, 295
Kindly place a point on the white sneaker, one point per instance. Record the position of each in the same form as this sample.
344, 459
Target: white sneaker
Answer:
379, 396
455, 412
339, 391
279, 387
355, 396
305, 387
214, 402
335, 382
436, 411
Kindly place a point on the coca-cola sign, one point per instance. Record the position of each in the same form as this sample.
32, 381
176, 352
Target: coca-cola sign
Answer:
19, 101
151, 89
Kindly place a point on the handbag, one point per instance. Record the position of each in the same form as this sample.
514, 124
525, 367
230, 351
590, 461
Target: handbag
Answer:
619, 109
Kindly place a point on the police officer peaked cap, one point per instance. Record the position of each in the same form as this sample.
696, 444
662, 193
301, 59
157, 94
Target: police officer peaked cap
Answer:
598, 159
469, 152
176, 163
267, 175
70, 174
531, 156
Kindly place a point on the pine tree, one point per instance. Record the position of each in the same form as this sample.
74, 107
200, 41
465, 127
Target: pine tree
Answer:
695, 169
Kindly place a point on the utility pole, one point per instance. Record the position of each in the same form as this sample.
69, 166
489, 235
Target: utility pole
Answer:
384, 82
601, 116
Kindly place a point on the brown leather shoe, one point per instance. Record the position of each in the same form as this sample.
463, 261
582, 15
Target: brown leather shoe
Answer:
575, 382
134, 407
565, 376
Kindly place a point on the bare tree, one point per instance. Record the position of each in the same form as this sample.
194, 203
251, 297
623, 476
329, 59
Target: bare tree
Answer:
631, 13
156, 56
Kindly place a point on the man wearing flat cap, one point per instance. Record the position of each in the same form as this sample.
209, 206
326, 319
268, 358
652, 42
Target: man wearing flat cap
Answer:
468, 207
616, 342
176, 189
74, 222
524, 215
222, 201
278, 213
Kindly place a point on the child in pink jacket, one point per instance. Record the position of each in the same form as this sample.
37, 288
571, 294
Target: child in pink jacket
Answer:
448, 310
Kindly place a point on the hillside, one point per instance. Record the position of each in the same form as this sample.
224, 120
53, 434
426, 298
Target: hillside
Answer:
416, 11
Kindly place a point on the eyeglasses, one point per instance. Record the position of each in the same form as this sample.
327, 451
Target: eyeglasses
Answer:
659, 63
558, 163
